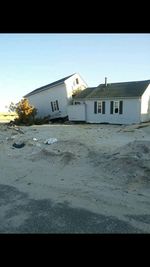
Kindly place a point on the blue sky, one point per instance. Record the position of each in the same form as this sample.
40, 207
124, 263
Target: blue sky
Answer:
28, 61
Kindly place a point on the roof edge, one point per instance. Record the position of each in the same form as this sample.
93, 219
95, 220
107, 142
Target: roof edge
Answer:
124, 82
50, 85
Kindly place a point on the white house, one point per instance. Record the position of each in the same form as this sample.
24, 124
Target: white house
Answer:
116, 103
53, 99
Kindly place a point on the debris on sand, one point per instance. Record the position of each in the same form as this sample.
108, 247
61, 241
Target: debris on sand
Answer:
50, 141
14, 127
18, 145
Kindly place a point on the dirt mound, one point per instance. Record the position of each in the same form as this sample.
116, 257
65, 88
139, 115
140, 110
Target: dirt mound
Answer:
60, 154
137, 149
52, 156
129, 165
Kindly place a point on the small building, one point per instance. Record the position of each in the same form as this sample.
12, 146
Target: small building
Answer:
116, 103
53, 99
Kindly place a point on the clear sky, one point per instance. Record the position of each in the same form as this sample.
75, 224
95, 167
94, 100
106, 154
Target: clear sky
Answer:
28, 61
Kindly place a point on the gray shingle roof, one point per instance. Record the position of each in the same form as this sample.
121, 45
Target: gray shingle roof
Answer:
84, 93
45, 87
123, 89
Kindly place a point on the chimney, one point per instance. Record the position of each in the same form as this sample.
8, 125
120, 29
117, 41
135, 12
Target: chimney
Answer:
105, 81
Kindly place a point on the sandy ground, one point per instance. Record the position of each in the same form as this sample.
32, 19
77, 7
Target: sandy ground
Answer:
94, 179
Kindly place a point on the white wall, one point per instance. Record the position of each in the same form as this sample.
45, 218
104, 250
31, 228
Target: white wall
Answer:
131, 112
71, 84
62, 93
42, 101
76, 112
145, 105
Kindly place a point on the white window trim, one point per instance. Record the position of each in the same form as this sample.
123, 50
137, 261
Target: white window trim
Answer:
118, 102
99, 102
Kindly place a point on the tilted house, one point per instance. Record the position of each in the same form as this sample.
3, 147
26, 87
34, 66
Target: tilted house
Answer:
117, 103
53, 99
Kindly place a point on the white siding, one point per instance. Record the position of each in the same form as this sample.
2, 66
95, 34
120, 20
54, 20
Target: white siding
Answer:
42, 101
71, 85
145, 105
131, 112
62, 93
76, 112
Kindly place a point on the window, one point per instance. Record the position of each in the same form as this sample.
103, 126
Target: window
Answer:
116, 107
77, 81
99, 107
54, 105
77, 103
57, 105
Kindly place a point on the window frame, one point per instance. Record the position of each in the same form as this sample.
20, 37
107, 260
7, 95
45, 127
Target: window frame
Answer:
54, 106
96, 108
77, 81
99, 102
114, 107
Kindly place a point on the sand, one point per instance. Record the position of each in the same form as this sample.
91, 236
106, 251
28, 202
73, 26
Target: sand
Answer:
101, 168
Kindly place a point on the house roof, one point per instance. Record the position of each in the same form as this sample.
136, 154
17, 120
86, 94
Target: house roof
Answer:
45, 87
84, 93
123, 89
